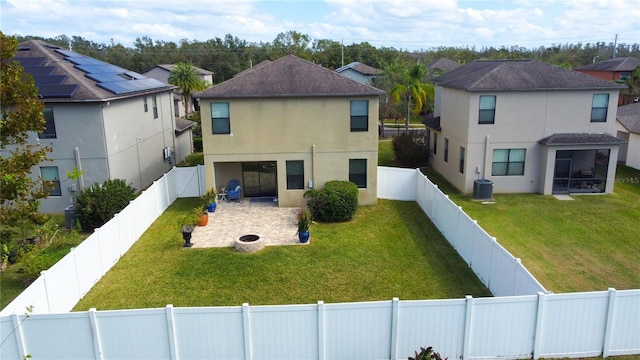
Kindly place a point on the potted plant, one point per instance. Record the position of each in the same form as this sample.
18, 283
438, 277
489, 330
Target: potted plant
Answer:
201, 213
210, 198
187, 223
304, 221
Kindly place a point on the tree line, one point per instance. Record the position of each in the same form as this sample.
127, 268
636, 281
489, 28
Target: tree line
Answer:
229, 55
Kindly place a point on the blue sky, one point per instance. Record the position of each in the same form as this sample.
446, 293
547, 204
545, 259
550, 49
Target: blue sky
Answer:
400, 24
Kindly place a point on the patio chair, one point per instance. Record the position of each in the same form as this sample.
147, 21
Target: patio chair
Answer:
234, 190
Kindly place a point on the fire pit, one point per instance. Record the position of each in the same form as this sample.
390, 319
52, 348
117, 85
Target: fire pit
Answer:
249, 243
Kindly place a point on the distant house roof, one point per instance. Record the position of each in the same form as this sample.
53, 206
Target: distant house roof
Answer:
519, 75
183, 124
171, 67
288, 76
432, 122
629, 117
66, 76
613, 64
361, 68
443, 65
581, 139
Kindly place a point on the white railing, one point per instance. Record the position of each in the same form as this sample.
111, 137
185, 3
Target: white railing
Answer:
538, 324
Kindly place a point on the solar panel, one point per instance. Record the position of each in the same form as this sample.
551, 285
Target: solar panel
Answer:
42, 70
49, 79
31, 61
103, 78
57, 91
68, 53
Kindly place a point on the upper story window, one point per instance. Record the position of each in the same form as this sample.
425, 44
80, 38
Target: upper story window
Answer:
358, 172
295, 174
50, 175
446, 150
508, 162
359, 115
487, 113
599, 107
220, 122
49, 131
625, 75
146, 106
461, 168
154, 103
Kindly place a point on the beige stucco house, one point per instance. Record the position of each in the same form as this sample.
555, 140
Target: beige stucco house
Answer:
289, 126
527, 126
628, 127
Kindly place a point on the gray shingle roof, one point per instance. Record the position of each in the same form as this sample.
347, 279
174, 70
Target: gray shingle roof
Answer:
581, 139
629, 117
171, 67
361, 68
613, 64
432, 122
288, 76
519, 75
183, 124
443, 64
49, 62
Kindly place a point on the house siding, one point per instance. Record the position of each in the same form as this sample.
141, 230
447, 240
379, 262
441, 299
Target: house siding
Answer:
315, 130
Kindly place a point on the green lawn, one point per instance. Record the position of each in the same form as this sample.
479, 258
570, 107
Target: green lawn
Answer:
588, 244
388, 250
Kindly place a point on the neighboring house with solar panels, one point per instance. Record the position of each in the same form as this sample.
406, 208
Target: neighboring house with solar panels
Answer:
108, 122
359, 72
162, 72
527, 126
288, 126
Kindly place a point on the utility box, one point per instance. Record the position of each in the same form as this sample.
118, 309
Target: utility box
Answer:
70, 217
482, 189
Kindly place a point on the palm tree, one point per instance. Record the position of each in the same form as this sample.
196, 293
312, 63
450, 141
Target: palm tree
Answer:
410, 88
185, 78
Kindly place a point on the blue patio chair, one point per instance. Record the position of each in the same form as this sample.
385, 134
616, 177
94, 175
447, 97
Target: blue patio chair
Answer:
234, 190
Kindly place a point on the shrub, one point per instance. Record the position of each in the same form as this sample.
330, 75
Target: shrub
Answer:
411, 150
337, 202
98, 203
426, 354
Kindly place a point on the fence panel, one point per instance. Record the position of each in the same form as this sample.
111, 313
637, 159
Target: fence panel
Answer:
209, 333
625, 323
34, 296
88, 264
358, 330
59, 336
109, 245
62, 285
503, 274
437, 323
481, 254
189, 182
396, 183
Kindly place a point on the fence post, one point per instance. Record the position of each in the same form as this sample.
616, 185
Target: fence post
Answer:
22, 348
515, 278
609, 325
171, 332
394, 328
433, 203
537, 339
466, 342
246, 328
321, 339
75, 267
43, 273
494, 243
97, 345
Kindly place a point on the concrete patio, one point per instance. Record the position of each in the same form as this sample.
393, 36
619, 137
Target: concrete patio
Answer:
275, 225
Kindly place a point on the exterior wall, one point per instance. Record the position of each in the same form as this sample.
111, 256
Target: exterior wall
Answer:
605, 75
77, 126
135, 140
633, 151
357, 76
184, 146
521, 120
315, 130
158, 74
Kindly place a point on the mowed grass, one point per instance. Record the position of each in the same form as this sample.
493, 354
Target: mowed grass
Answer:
388, 250
588, 244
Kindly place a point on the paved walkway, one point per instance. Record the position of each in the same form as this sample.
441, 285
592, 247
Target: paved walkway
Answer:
277, 226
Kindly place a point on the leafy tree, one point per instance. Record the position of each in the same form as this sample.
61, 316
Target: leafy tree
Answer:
186, 79
412, 87
21, 116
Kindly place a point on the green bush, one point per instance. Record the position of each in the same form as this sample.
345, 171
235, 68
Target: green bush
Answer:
337, 202
411, 150
98, 203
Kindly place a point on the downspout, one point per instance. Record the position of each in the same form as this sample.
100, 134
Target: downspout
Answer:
313, 164
76, 151
486, 150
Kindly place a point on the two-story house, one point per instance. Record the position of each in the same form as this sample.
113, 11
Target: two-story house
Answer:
289, 126
527, 126
163, 71
359, 72
103, 120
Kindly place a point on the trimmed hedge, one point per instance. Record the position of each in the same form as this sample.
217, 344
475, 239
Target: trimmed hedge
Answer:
337, 202
98, 203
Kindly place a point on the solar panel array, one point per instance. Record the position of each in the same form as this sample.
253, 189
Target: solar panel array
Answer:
49, 85
110, 77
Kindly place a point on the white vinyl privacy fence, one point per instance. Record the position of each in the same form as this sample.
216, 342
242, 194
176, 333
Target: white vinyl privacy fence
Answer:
532, 324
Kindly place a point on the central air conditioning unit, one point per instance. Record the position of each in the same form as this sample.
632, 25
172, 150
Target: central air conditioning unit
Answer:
166, 152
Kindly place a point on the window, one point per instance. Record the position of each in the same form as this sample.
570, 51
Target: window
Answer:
625, 75
359, 115
446, 150
461, 168
599, 107
220, 118
154, 103
508, 162
358, 172
295, 174
146, 106
50, 174
487, 109
49, 131
435, 143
